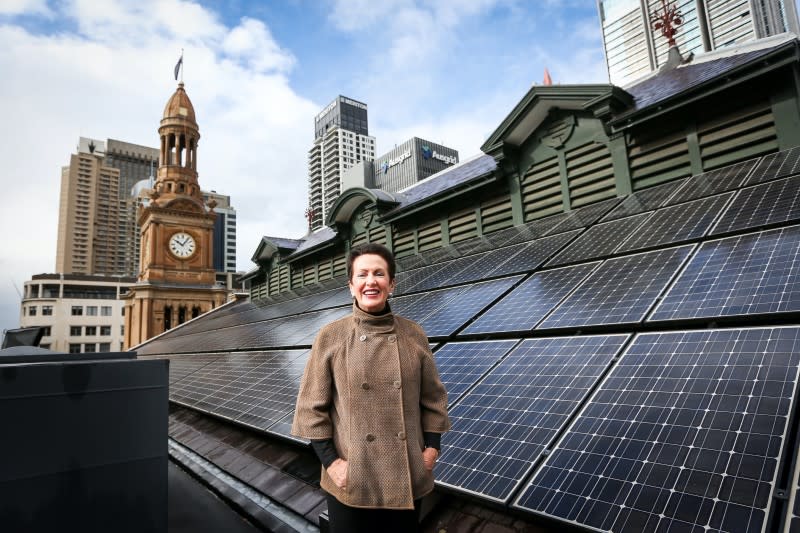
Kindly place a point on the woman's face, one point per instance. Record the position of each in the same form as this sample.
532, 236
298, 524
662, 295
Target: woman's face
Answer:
370, 284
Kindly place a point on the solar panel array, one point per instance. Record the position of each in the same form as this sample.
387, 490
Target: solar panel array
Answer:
631, 365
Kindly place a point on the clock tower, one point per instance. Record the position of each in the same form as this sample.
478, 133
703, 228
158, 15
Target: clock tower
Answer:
176, 277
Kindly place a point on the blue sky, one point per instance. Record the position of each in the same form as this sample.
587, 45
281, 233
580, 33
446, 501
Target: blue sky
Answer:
257, 73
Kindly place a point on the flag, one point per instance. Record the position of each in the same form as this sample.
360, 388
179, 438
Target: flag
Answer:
178, 66
547, 79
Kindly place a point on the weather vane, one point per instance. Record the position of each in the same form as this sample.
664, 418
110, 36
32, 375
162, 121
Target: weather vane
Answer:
667, 21
310, 212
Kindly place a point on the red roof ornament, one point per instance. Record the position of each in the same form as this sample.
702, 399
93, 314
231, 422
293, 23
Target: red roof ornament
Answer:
667, 21
547, 79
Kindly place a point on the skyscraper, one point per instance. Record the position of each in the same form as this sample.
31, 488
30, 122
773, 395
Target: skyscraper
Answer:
341, 139
97, 232
633, 49
101, 191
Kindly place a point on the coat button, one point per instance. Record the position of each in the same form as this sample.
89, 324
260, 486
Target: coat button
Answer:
370, 437
401, 435
365, 386
362, 338
392, 338
396, 384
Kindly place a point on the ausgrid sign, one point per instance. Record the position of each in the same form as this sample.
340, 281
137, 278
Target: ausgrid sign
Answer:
427, 153
395, 161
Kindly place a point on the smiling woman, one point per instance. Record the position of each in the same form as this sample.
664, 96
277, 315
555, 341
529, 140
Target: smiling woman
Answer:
373, 406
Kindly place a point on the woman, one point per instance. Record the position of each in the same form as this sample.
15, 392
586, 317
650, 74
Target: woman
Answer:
373, 406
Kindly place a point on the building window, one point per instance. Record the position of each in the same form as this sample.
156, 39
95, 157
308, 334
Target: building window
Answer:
89, 348
46, 331
47, 310
122, 329
91, 310
32, 310
105, 331
74, 348
75, 331
105, 347
77, 310
105, 310
123, 311
91, 330
167, 317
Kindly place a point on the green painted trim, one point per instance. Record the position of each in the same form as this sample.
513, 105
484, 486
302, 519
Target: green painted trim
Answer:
786, 113
387, 228
444, 231
566, 201
478, 220
618, 148
693, 143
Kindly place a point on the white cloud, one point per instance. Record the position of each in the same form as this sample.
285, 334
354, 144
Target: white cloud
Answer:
24, 7
112, 80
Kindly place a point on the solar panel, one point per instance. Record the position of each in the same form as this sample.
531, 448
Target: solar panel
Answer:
768, 203
191, 390
407, 280
777, 165
482, 265
599, 241
502, 425
621, 290
644, 200
461, 364
526, 305
473, 246
181, 366
584, 216
713, 182
274, 396
417, 306
528, 257
685, 434
744, 275
443, 276
677, 223
465, 305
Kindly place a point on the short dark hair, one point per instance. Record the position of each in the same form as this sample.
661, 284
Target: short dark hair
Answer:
371, 248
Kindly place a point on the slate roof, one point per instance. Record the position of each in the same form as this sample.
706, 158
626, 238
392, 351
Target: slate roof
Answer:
669, 83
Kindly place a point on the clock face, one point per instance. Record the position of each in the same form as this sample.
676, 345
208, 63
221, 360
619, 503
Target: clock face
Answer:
182, 245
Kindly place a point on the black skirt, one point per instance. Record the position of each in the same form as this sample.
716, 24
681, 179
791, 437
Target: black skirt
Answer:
345, 519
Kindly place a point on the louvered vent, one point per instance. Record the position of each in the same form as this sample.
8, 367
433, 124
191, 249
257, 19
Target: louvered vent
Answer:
403, 242
297, 276
359, 238
746, 134
378, 234
339, 265
429, 237
590, 174
308, 274
496, 214
325, 270
462, 225
283, 273
541, 189
656, 161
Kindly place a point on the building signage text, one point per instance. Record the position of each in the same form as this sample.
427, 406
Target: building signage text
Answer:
395, 161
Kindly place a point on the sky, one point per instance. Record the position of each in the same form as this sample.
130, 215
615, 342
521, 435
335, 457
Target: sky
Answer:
258, 72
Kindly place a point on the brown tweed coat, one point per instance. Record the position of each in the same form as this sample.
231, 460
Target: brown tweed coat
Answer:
371, 384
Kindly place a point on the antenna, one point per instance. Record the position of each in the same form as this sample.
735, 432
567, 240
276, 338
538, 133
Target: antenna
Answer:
17, 289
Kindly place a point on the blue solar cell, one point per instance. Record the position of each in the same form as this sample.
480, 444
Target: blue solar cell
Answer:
769, 203
529, 256
417, 306
526, 305
713, 182
468, 303
599, 241
621, 290
644, 200
584, 216
462, 364
745, 275
774, 166
502, 425
677, 223
685, 434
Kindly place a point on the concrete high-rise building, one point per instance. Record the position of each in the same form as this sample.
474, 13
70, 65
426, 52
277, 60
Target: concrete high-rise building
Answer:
101, 191
341, 139
97, 231
224, 231
633, 49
